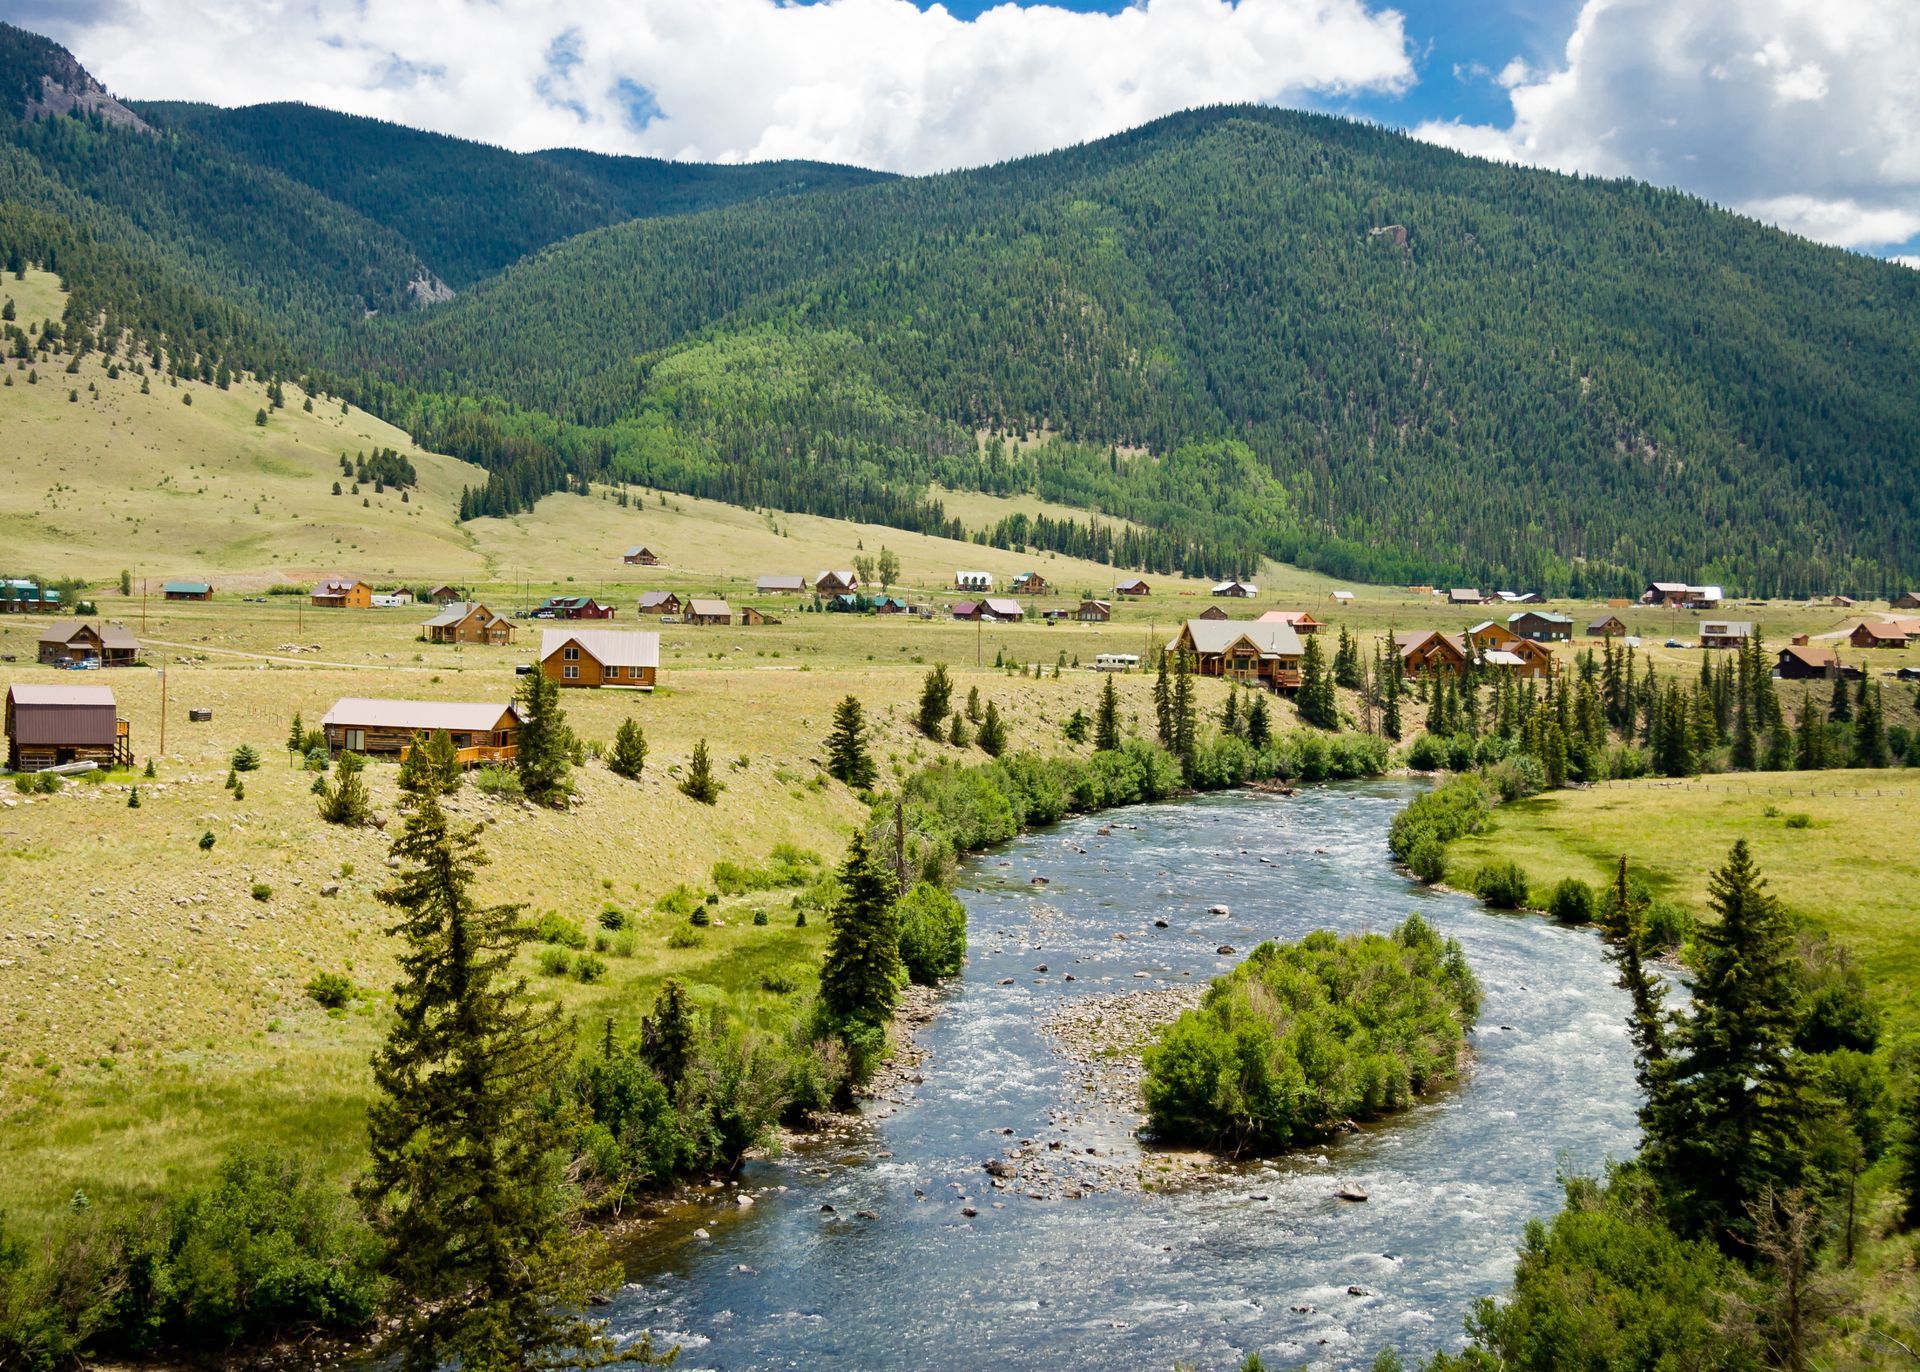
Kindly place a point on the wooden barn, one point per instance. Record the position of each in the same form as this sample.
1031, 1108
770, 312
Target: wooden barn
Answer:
1132, 590
780, 585
1804, 662
483, 732
52, 726
342, 593
1094, 611
1607, 626
109, 645
187, 590
625, 658
707, 610
660, 603
469, 622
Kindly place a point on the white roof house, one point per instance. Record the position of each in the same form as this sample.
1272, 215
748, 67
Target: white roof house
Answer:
608, 647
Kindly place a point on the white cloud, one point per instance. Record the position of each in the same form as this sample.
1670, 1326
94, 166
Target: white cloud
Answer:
876, 82
1907, 260
1805, 113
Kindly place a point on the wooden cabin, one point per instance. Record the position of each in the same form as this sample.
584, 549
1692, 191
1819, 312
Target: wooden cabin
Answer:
780, 585
842, 582
990, 607
1132, 590
1030, 583
624, 658
52, 726
187, 590
640, 557
1213, 612
1251, 652
1867, 634
1804, 662
469, 622
573, 607
707, 610
1725, 633
340, 593
751, 616
1488, 635
1540, 626
1906, 600
1424, 653
1235, 590
660, 603
1094, 611
1465, 595
109, 645
482, 732
1303, 623
1840, 602
444, 595
1607, 626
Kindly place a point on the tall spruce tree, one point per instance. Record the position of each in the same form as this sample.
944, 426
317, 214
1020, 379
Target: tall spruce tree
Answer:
464, 1183
667, 1035
1812, 731
1316, 699
992, 733
1106, 721
700, 783
1390, 690
1185, 713
628, 755
545, 755
1727, 1119
1869, 733
847, 757
861, 976
936, 702
1163, 702
1259, 724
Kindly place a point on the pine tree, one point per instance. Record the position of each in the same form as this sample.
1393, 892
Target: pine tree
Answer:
973, 704
992, 734
1316, 699
1346, 661
666, 1036
860, 979
544, 757
1184, 713
1230, 713
1623, 919
1259, 725
628, 756
1163, 703
847, 757
464, 1184
1106, 722
958, 734
700, 783
1869, 737
346, 801
297, 735
1391, 687
1840, 711
936, 701
1812, 735
1728, 1115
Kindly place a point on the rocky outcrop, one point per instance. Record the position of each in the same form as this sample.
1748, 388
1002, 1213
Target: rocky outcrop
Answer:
69, 88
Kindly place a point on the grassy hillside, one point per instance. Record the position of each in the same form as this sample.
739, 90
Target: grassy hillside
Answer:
1850, 871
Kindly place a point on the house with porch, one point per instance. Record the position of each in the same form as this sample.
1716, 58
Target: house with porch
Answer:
465, 621
1541, 626
842, 582
108, 645
640, 556
708, 610
482, 731
1132, 589
52, 726
573, 607
1094, 611
624, 658
342, 593
659, 603
969, 580
1424, 652
445, 595
1246, 651
1725, 633
1030, 583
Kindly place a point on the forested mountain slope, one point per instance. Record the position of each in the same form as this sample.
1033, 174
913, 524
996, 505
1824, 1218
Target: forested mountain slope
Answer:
466, 208
1438, 366
1251, 332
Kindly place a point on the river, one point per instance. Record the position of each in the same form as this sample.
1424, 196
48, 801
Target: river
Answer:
1258, 1258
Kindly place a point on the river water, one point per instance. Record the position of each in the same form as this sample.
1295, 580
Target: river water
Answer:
1259, 1258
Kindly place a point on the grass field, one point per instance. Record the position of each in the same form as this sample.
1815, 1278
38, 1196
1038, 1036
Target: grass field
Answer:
1852, 871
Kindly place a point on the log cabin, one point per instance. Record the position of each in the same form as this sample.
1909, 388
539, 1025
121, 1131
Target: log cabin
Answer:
483, 732
1540, 626
1303, 623
640, 557
1607, 626
1132, 590
1235, 590
707, 610
1251, 652
1804, 662
52, 726
342, 593
1424, 652
842, 582
469, 622
1906, 600
1094, 611
1030, 583
629, 659
1867, 634
110, 645
1213, 612
659, 603
445, 595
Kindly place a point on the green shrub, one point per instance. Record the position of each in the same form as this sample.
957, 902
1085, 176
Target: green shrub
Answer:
1571, 901
681, 901
1456, 807
1799, 820
933, 933
245, 758
700, 918
1518, 777
331, 989
262, 891
587, 968
1668, 926
613, 917
557, 929
759, 919
1302, 1037
502, 783
554, 962
1428, 860
1503, 885
685, 936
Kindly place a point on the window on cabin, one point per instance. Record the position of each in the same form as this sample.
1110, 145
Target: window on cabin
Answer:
570, 673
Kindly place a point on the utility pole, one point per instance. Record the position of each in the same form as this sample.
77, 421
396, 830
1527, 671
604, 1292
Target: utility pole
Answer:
980, 630
143, 607
163, 705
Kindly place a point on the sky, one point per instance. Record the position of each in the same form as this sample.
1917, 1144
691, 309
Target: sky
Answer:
1802, 113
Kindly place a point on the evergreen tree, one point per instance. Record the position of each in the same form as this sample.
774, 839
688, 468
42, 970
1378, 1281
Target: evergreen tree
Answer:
1163, 703
297, 735
1259, 726
700, 783
1230, 713
1840, 711
861, 976
1623, 919
847, 757
1812, 732
936, 701
992, 734
958, 734
544, 759
1391, 687
973, 704
1317, 703
464, 1183
1346, 660
1106, 722
628, 756
1727, 1117
667, 1035
346, 800
1184, 712
1869, 737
